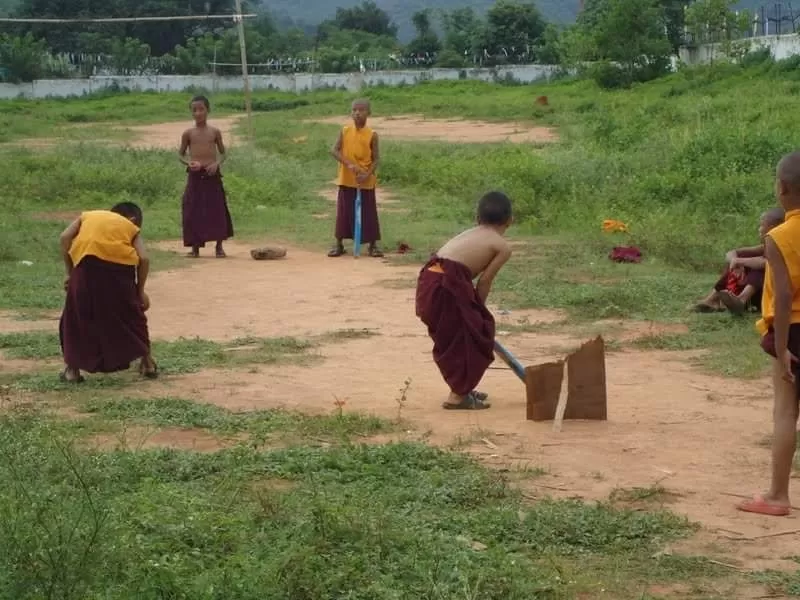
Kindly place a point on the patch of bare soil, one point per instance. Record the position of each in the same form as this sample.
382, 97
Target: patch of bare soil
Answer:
167, 136
10, 322
142, 438
418, 127
698, 436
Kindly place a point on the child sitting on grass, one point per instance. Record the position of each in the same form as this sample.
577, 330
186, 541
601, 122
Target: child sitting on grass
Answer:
740, 286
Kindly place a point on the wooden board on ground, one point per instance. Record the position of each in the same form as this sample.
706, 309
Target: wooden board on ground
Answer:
586, 397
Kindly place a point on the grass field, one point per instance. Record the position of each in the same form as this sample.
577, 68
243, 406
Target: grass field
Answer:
287, 505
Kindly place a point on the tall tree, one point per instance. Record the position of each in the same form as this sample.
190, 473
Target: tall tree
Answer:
426, 40
462, 30
513, 26
367, 17
628, 32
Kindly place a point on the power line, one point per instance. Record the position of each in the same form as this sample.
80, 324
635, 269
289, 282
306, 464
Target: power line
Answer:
235, 17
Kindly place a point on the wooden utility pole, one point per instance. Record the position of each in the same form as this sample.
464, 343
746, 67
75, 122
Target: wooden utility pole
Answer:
248, 102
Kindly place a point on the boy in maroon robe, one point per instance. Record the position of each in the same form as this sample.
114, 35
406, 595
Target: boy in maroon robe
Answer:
103, 327
740, 285
454, 310
206, 217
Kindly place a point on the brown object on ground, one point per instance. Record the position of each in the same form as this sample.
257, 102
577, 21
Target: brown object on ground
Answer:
542, 101
586, 397
268, 253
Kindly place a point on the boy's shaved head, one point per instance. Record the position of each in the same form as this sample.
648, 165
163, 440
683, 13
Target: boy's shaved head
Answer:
129, 210
789, 170
361, 102
774, 216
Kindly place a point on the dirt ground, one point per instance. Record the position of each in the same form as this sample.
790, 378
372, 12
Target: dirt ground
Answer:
418, 127
700, 437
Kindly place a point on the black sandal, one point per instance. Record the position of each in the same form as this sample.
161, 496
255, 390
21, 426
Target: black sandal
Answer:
375, 253
220, 253
336, 252
64, 379
470, 402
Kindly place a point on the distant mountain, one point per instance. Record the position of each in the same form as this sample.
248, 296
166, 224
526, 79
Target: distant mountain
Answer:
309, 13
312, 12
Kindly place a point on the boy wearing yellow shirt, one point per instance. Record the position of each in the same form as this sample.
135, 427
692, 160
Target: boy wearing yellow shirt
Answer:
780, 331
103, 327
357, 152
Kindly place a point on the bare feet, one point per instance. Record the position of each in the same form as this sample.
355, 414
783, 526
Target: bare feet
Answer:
732, 303
194, 253
70, 375
220, 253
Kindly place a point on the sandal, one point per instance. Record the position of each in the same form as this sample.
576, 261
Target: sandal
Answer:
703, 308
470, 402
220, 253
194, 253
337, 251
482, 396
760, 506
64, 379
375, 253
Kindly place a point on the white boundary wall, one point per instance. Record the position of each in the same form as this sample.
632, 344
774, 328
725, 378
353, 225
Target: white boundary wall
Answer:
299, 82
781, 46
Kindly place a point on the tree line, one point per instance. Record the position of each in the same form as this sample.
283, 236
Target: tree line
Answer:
623, 40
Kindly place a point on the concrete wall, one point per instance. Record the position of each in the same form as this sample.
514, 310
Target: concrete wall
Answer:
781, 46
299, 82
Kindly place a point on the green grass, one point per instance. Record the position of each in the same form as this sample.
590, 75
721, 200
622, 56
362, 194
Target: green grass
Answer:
683, 161
355, 521
175, 412
780, 582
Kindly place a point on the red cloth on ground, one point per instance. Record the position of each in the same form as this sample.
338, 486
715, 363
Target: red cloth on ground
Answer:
626, 254
346, 211
460, 325
206, 217
103, 327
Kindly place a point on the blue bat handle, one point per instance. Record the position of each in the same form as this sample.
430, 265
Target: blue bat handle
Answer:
509, 359
357, 225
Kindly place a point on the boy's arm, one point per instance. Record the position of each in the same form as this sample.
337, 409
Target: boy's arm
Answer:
144, 264
66, 238
376, 154
749, 252
756, 263
220, 148
486, 279
185, 141
336, 152
784, 294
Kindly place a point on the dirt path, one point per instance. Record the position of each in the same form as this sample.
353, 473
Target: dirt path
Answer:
698, 436
418, 127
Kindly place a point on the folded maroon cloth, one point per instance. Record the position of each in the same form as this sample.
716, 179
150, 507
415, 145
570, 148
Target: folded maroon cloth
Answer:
626, 254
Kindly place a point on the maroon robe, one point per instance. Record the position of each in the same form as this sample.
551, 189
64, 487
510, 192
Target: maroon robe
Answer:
103, 328
345, 215
206, 217
461, 326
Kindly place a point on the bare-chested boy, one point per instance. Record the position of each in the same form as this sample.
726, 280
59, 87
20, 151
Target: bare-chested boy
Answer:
206, 217
780, 331
454, 310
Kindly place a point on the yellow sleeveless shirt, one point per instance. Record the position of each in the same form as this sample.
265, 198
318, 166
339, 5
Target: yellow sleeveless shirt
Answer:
107, 236
787, 238
357, 148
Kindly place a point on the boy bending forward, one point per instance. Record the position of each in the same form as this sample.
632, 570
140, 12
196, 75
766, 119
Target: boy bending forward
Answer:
454, 310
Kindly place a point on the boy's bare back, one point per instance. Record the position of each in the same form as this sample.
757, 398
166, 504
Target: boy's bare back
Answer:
477, 248
202, 143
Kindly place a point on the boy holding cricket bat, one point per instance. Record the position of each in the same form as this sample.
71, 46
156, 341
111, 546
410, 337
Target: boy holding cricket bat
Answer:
356, 150
454, 311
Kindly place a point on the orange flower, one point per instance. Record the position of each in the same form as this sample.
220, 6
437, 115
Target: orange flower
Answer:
612, 226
